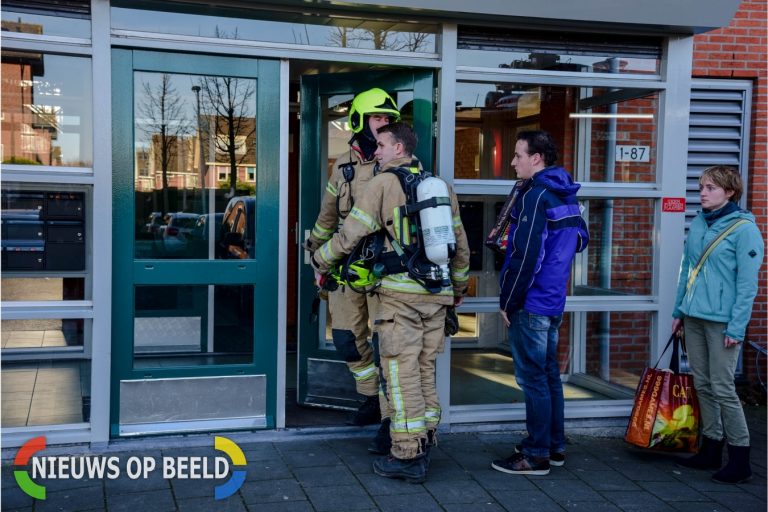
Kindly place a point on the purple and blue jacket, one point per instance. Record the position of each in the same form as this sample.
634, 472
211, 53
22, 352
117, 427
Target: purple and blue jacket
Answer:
546, 231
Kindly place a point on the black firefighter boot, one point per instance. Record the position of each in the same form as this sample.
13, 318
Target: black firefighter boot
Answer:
710, 455
411, 470
737, 471
382, 443
367, 414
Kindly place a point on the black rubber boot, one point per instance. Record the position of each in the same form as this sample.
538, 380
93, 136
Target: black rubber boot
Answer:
411, 470
710, 455
737, 471
382, 443
367, 414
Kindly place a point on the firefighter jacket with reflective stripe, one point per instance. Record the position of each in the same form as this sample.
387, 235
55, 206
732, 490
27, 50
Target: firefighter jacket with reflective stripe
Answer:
379, 207
342, 193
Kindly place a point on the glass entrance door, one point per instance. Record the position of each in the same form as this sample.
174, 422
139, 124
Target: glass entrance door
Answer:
323, 377
195, 180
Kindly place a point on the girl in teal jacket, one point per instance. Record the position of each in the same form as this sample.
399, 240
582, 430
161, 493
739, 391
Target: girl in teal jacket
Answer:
713, 307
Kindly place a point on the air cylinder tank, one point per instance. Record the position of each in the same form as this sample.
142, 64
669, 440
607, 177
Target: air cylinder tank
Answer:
436, 225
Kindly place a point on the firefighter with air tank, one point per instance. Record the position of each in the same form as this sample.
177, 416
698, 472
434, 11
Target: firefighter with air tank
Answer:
404, 244
350, 310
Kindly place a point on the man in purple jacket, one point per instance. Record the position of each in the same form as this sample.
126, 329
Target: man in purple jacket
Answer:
546, 231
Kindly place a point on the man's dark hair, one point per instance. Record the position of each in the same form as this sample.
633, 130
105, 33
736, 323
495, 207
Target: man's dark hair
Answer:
403, 134
540, 142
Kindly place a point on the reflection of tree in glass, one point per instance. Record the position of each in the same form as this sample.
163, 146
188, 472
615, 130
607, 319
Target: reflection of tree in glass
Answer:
164, 123
379, 39
228, 102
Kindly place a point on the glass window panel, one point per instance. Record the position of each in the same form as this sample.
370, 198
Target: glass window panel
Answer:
42, 288
46, 25
585, 53
45, 393
602, 135
618, 347
193, 325
46, 109
286, 27
43, 334
619, 257
195, 166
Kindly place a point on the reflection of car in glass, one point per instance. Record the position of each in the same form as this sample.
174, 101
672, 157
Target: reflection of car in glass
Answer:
238, 229
198, 237
154, 223
176, 231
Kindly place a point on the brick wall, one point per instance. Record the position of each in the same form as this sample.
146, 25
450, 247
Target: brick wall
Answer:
738, 51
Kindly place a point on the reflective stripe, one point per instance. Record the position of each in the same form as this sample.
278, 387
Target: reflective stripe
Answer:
411, 425
364, 219
396, 392
433, 413
460, 274
321, 233
326, 254
365, 373
331, 189
456, 221
402, 283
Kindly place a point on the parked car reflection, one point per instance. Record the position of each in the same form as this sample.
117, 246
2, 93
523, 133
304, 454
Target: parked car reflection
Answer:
175, 232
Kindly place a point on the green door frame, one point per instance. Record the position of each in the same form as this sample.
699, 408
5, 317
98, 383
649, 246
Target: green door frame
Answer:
313, 87
128, 272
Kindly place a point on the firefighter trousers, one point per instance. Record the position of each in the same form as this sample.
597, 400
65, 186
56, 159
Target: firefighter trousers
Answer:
349, 329
410, 336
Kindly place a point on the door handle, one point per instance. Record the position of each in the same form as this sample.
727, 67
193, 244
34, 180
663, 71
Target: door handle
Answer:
306, 252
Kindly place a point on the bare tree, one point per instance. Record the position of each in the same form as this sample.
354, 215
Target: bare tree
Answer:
162, 111
229, 102
379, 39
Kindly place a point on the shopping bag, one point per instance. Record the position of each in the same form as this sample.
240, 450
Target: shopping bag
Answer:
665, 415
499, 234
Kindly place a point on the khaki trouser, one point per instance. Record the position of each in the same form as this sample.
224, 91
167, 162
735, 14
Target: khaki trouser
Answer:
713, 367
410, 335
349, 328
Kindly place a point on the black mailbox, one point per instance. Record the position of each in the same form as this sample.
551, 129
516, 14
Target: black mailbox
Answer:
65, 245
22, 229
65, 205
23, 255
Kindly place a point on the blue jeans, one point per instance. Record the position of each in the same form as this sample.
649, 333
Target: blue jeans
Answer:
533, 339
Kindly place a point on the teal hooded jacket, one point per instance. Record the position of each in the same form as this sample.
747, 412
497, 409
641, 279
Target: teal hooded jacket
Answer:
727, 283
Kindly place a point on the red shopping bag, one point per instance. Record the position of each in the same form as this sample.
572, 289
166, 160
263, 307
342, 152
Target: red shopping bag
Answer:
665, 415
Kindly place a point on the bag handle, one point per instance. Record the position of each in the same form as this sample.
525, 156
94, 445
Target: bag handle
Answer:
677, 346
711, 247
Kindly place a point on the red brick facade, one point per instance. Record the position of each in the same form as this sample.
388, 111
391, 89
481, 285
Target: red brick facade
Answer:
738, 51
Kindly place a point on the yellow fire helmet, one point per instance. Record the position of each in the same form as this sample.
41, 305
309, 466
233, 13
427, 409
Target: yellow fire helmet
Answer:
372, 101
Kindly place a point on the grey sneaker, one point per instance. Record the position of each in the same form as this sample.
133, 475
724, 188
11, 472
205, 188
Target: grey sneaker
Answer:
520, 464
555, 459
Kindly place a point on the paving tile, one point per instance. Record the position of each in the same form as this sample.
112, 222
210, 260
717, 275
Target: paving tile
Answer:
737, 500
590, 506
267, 470
319, 456
673, 491
185, 489
699, 506
422, 502
639, 501
270, 491
72, 500
287, 506
564, 491
606, 480
13, 497
338, 498
474, 507
260, 451
461, 491
232, 504
156, 501
324, 476
525, 501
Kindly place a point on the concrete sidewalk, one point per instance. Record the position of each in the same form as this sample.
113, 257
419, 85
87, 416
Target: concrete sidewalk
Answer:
333, 473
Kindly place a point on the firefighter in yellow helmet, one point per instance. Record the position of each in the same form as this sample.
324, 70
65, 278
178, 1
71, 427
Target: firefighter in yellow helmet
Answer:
410, 312
350, 310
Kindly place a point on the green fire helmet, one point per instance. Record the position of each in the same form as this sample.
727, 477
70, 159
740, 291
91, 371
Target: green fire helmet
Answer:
372, 101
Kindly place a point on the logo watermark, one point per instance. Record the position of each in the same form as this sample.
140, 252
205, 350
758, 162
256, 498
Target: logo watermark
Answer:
28, 466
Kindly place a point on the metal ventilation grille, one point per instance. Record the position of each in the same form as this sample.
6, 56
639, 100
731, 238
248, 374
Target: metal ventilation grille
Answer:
67, 8
718, 134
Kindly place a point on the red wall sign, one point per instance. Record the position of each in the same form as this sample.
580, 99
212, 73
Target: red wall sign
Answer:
673, 204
